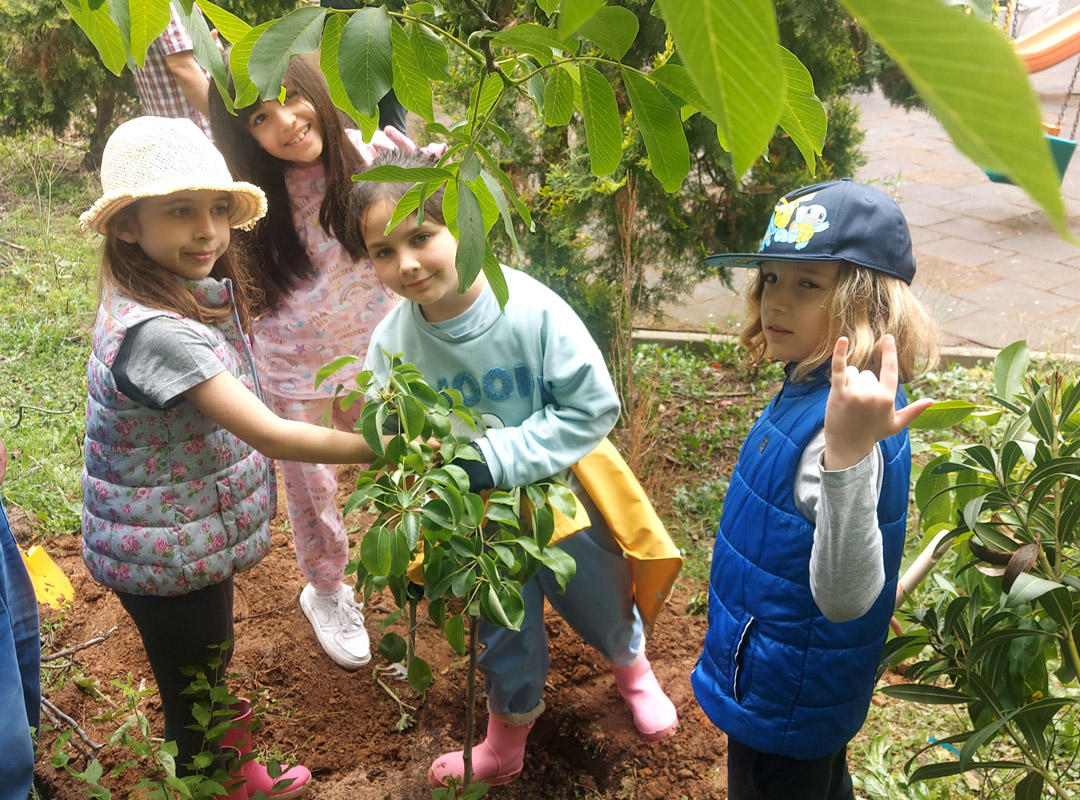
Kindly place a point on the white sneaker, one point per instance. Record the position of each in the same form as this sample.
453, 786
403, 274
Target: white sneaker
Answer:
339, 625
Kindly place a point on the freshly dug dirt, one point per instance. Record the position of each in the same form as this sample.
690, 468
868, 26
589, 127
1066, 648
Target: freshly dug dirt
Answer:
342, 724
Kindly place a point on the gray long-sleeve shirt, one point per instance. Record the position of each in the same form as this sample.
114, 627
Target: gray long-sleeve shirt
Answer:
847, 569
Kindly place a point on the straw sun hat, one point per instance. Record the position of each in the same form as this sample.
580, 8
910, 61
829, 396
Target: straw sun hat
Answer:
155, 156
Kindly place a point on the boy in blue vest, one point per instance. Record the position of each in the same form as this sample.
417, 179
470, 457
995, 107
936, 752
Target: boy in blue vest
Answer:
806, 558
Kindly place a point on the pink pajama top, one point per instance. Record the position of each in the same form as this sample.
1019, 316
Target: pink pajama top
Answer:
331, 314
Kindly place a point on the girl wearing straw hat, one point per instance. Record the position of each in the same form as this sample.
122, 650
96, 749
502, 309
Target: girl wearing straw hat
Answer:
178, 485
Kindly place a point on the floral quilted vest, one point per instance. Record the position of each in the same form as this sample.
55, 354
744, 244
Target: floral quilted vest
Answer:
172, 502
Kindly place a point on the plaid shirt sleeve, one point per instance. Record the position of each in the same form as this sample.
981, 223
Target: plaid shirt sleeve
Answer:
158, 92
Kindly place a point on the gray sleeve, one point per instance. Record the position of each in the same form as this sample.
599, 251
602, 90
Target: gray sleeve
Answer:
847, 568
161, 359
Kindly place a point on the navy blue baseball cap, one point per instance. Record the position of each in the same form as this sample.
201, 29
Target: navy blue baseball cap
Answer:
835, 221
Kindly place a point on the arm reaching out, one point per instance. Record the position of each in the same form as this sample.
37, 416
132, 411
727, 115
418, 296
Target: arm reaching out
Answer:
861, 409
229, 403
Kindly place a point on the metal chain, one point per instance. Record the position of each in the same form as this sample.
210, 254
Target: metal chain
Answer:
1065, 104
1012, 19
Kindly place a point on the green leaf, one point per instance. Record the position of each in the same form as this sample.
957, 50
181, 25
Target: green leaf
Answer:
573, 13
496, 191
1030, 788
326, 370
366, 57
389, 173
239, 56
420, 676
535, 40
1028, 588
549, 6
102, 32
1060, 605
803, 116
469, 259
603, 129
558, 98
375, 551
612, 29
677, 80
495, 278
731, 50
430, 53
490, 92
968, 75
917, 693
393, 648
943, 415
455, 634
947, 768
661, 129
148, 21
228, 25
475, 790
298, 32
328, 63
412, 87
1010, 367
372, 418
492, 609
561, 564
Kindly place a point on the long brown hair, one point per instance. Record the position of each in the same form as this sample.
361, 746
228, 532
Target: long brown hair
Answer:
863, 305
279, 259
127, 268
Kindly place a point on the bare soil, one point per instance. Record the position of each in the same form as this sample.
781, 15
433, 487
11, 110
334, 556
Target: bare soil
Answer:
342, 724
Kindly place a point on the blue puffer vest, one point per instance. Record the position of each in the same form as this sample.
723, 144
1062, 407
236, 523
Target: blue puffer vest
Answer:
775, 674
172, 502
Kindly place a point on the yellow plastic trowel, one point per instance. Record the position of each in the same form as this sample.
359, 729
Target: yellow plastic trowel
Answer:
51, 585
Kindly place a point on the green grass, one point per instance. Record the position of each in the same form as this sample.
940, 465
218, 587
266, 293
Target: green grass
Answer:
47, 301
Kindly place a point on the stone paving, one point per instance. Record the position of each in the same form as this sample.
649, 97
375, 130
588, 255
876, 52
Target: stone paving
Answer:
990, 267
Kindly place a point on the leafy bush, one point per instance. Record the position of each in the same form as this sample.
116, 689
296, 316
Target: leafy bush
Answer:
1002, 640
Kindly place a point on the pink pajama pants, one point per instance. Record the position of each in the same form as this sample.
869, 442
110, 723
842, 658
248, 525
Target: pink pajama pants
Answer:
322, 545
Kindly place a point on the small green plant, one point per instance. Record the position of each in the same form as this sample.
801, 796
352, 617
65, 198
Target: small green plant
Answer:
1002, 639
471, 552
154, 760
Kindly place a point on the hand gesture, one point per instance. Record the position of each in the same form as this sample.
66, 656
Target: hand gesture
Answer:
861, 409
404, 143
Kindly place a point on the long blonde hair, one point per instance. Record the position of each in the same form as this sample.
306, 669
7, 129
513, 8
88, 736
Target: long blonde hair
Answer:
126, 267
863, 305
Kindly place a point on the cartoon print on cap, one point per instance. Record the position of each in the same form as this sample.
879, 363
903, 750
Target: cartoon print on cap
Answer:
782, 217
808, 221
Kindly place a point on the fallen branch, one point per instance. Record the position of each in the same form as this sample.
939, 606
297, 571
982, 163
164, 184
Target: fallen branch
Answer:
18, 419
76, 648
60, 718
13, 245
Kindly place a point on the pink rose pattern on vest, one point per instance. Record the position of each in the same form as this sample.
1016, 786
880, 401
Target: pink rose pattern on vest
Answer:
172, 502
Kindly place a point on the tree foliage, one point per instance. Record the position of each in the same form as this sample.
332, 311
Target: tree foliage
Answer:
1011, 613
730, 69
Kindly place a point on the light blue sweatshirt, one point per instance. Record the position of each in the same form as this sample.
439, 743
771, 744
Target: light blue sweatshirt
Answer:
533, 372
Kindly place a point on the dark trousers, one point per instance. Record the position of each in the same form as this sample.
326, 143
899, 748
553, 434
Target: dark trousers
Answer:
178, 632
753, 775
20, 670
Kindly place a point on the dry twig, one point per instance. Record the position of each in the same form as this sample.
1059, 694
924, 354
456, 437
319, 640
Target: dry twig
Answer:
60, 718
76, 648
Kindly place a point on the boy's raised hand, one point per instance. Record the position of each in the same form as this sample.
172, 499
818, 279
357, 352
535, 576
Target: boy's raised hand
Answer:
861, 408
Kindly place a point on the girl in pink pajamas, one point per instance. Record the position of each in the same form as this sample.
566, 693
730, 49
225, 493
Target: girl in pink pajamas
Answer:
321, 300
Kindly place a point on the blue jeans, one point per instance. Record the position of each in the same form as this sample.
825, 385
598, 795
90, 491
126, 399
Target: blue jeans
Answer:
20, 667
598, 604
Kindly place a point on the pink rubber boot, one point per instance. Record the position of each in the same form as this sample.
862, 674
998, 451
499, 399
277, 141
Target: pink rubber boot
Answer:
294, 781
654, 713
497, 760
